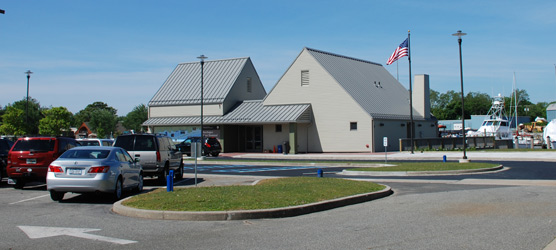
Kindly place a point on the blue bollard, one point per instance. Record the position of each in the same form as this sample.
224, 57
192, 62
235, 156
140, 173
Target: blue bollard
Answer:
319, 172
170, 181
444, 158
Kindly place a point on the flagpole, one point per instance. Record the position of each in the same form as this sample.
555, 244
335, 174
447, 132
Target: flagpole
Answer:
410, 94
398, 70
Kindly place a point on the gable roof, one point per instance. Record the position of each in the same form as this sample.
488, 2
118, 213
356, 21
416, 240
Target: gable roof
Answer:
247, 112
183, 86
368, 83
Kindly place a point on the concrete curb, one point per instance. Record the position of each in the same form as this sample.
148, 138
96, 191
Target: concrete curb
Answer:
419, 173
118, 208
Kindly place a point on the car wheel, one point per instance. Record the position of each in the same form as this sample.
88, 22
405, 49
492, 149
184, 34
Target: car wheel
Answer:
162, 176
179, 174
139, 188
118, 190
19, 184
215, 154
56, 196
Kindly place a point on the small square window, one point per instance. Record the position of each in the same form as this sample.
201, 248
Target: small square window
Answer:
353, 126
278, 128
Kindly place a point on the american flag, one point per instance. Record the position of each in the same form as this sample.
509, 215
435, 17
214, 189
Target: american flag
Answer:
400, 52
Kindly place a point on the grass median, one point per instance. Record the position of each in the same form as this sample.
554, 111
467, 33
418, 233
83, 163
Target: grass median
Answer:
427, 166
270, 193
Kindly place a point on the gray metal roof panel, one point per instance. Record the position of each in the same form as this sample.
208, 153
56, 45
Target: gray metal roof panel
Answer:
247, 112
368, 83
183, 86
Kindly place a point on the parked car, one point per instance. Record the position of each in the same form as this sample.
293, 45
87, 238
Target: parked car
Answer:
5, 146
94, 169
29, 158
95, 142
158, 154
210, 147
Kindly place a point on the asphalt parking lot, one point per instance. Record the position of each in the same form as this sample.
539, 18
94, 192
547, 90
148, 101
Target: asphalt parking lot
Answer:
511, 209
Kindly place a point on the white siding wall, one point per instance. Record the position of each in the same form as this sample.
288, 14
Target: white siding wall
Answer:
271, 138
333, 109
191, 110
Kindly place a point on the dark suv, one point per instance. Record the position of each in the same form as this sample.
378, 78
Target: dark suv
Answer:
5, 146
29, 158
157, 153
210, 147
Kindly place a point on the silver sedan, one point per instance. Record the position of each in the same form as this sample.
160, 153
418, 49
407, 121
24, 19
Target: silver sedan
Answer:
94, 170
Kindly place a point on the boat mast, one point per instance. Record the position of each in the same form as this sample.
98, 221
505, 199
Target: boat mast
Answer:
515, 95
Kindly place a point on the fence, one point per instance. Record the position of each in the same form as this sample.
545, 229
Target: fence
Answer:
452, 143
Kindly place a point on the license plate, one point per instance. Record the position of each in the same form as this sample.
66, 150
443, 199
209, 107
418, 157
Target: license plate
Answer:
74, 171
31, 161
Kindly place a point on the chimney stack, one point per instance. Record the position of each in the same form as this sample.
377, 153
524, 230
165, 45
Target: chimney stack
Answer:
421, 96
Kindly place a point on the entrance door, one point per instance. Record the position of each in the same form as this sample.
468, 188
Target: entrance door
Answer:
254, 138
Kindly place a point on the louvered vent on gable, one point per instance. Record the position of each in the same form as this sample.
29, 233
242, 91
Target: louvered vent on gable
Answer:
305, 78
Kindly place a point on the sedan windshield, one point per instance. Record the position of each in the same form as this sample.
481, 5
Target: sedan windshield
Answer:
86, 154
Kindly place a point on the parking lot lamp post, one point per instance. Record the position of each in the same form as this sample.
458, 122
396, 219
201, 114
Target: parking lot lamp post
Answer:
202, 58
27, 100
459, 34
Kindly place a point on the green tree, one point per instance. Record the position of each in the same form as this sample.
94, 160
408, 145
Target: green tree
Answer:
136, 117
86, 114
34, 110
445, 106
103, 122
56, 121
30, 125
2, 111
13, 122
533, 110
477, 103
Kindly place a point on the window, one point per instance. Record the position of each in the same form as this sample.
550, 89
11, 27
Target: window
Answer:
249, 85
353, 126
305, 78
278, 128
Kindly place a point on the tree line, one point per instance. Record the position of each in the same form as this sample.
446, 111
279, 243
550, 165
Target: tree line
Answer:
29, 118
447, 106
19, 119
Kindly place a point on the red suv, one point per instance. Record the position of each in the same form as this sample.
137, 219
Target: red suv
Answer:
29, 158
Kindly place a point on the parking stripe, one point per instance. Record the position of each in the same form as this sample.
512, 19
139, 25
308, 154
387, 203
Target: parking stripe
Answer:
38, 197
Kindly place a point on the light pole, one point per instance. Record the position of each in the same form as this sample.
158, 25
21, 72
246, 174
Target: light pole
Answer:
459, 34
27, 100
202, 58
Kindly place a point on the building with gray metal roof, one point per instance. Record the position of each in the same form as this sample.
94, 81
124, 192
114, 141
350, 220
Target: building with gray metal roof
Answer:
355, 103
324, 102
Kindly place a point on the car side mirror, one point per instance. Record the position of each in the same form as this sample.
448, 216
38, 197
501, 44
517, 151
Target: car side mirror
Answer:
137, 160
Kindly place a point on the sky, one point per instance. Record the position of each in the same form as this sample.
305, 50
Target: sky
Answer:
121, 52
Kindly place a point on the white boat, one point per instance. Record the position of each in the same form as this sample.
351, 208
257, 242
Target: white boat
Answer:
496, 123
549, 134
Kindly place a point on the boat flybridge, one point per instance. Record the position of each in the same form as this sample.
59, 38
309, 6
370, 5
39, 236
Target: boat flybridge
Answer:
496, 123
